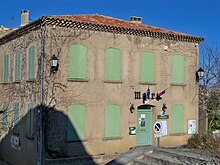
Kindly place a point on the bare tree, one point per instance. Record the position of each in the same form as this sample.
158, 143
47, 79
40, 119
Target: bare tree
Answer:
209, 100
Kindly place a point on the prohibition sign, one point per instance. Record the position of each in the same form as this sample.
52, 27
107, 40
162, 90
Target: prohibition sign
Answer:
157, 127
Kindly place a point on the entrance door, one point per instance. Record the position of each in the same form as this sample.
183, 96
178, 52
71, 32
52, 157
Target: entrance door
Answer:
144, 127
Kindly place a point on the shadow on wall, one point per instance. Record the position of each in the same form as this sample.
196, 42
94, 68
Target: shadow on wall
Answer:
20, 144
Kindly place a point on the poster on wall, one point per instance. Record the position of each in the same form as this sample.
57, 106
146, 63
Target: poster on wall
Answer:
191, 127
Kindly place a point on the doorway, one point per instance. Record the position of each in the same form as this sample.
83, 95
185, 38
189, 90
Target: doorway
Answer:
144, 126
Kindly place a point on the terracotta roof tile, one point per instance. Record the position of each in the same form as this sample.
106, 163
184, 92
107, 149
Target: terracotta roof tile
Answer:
104, 20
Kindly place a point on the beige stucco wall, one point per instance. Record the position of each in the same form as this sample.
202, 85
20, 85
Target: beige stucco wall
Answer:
95, 93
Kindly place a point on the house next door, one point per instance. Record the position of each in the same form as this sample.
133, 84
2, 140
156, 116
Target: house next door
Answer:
144, 127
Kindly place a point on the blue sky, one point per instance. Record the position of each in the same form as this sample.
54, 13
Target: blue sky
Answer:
197, 17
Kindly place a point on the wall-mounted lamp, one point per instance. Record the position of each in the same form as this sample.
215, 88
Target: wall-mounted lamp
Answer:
199, 74
132, 108
54, 65
164, 109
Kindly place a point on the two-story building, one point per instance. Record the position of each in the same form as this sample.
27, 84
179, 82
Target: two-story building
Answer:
93, 103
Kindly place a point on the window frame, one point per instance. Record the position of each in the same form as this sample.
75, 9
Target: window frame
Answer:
77, 70
113, 65
76, 124
112, 127
148, 56
177, 124
177, 77
17, 67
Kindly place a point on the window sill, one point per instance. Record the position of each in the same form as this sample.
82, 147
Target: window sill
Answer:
31, 80
148, 83
74, 141
77, 80
29, 137
113, 81
17, 81
177, 134
4, 83
181, 84
112, 138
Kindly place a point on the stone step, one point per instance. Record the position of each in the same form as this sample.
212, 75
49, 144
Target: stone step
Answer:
183, 156
161, 159
143, 162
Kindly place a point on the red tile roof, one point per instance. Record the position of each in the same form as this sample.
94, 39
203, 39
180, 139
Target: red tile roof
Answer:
109, 21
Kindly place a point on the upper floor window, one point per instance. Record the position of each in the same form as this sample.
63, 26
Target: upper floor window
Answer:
31, 63
147, 67
6, 67
77, 68
17, 66
113, 64
178, 69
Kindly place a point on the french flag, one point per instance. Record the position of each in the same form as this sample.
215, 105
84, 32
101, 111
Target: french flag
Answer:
161, 93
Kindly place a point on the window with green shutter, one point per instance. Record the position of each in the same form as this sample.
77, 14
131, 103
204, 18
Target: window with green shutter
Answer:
16, 117
30, 120
6, 67
5, 115
76, 122
147, 67
17, 66
113, 64
77, 68
177, 69
177, 119
31, 63
112, 121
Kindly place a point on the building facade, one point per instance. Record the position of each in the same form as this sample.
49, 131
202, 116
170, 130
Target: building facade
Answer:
93, 103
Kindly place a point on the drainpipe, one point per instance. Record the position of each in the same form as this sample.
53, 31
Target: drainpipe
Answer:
42, 55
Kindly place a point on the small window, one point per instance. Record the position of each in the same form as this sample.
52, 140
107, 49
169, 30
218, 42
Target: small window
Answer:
178, 69
112, 121
77, 68
5, 115
30, 120
177, 118
6, 67
17, 66
16, 118
76, 122
147, 67
113, 64
31, 63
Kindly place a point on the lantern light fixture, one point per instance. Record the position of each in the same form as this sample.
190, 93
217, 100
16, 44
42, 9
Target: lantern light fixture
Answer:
54, 65
199, 74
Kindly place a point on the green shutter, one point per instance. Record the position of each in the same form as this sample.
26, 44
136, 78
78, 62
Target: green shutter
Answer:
177, 118
77, 68
147, 67
76, 122
113, 64
5, 115
31, 63
6, 68
177, 69
30, 119
17, 66
16, 117
112, 121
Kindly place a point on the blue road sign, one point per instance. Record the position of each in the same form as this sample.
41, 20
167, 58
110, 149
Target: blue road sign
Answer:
157, 127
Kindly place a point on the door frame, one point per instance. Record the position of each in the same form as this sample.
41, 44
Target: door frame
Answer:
146, 108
